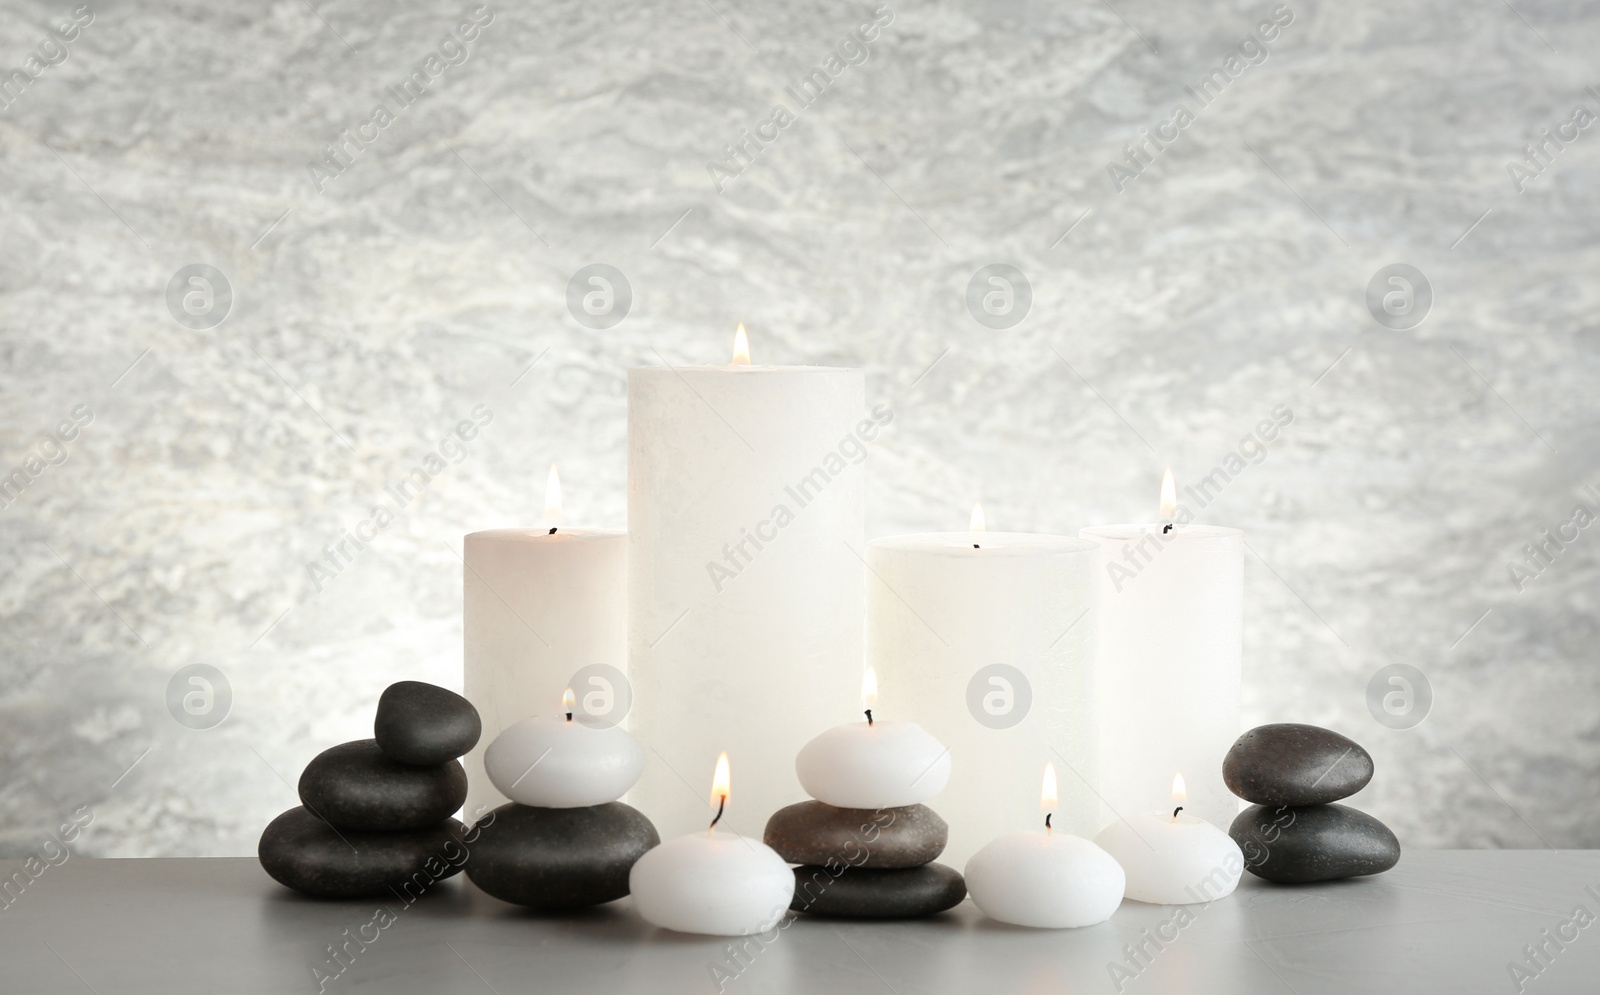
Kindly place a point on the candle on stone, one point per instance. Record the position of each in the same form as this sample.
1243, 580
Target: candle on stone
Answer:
992, 650
746, 521
554, 761
715, 882
1045, 879
1174, 859
542, 606
873, 764
1171, 622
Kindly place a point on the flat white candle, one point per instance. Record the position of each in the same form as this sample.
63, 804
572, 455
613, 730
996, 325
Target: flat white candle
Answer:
992, 651
1174, 858
558, 761
745, 518
537, 609
712, 882
875, 763
1045, 879
1171, 623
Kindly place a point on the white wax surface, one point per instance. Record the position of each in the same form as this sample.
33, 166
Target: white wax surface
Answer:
1047, 880
883, 765
714, 883
537, 609
553, 763
745, 520
938, 612
1173, 863
1170, 648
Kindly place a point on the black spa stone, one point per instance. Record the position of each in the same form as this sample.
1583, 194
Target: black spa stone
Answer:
426, 725
302, 852
1313, 843
815, 833
559, 858
863, 893
354, 786
1293, 764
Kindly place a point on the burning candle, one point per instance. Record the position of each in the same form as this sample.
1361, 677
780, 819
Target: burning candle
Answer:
554, 761
1174, 859
873, 764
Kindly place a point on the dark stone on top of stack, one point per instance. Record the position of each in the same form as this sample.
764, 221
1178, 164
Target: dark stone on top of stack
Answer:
425, 725
302, 852
813, 832
1313, 843
1288, 763
862, 893
354, 786
559, 858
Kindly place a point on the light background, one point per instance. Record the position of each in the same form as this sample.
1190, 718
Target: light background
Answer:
373, 315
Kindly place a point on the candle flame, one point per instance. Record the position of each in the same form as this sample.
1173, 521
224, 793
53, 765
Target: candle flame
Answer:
1169, 495
869, 689
979, 523
741, 347
568, 700
1180, 793
1047, 793
552, 497
721, 782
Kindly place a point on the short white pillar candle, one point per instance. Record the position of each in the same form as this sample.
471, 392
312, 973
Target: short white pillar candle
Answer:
715, 883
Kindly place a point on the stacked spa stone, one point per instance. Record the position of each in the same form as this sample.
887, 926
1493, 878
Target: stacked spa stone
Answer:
564, 841
863, 863
1294, 833
376, 818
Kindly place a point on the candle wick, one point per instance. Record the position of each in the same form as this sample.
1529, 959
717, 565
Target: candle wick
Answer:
869, 716
1164, 529
1047, 816
722, 800
975, 546
552, 530
1175, 813
569, 716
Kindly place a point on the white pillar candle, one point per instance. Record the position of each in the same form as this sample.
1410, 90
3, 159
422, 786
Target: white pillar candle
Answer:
873, 764
745, 522
1173, 858
713, 882
991, 650
1045, 879
562, 761
539, 609
1171, 623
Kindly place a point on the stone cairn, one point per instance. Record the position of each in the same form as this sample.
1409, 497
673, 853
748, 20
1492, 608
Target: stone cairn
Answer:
862, 863
375, 817
1293, 833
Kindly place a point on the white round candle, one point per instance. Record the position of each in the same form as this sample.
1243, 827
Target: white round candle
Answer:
1173, 861
745, 493
1171, 624
1047, 880
873, 764
992, 651
537, 609
555, 762
716, 883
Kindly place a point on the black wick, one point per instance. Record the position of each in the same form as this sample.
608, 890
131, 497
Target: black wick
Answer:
1176, 811
1164, 529
722, 800
552, 530
974, 545
569, 716
1047, 816
869, 716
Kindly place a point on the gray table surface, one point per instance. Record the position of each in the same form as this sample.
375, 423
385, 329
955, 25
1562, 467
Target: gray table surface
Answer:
1444, 921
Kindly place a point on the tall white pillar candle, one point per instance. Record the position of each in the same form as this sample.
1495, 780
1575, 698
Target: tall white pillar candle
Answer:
542, 613
991, 650
745, 528
1171, 622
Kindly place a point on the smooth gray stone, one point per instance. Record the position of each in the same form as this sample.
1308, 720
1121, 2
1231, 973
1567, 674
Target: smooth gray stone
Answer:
1293, 764
302, 852
1313, 843
815, 833
354, 786
862, 893
425, 724
559, 858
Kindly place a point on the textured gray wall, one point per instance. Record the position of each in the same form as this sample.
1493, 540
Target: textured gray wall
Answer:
372, 315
